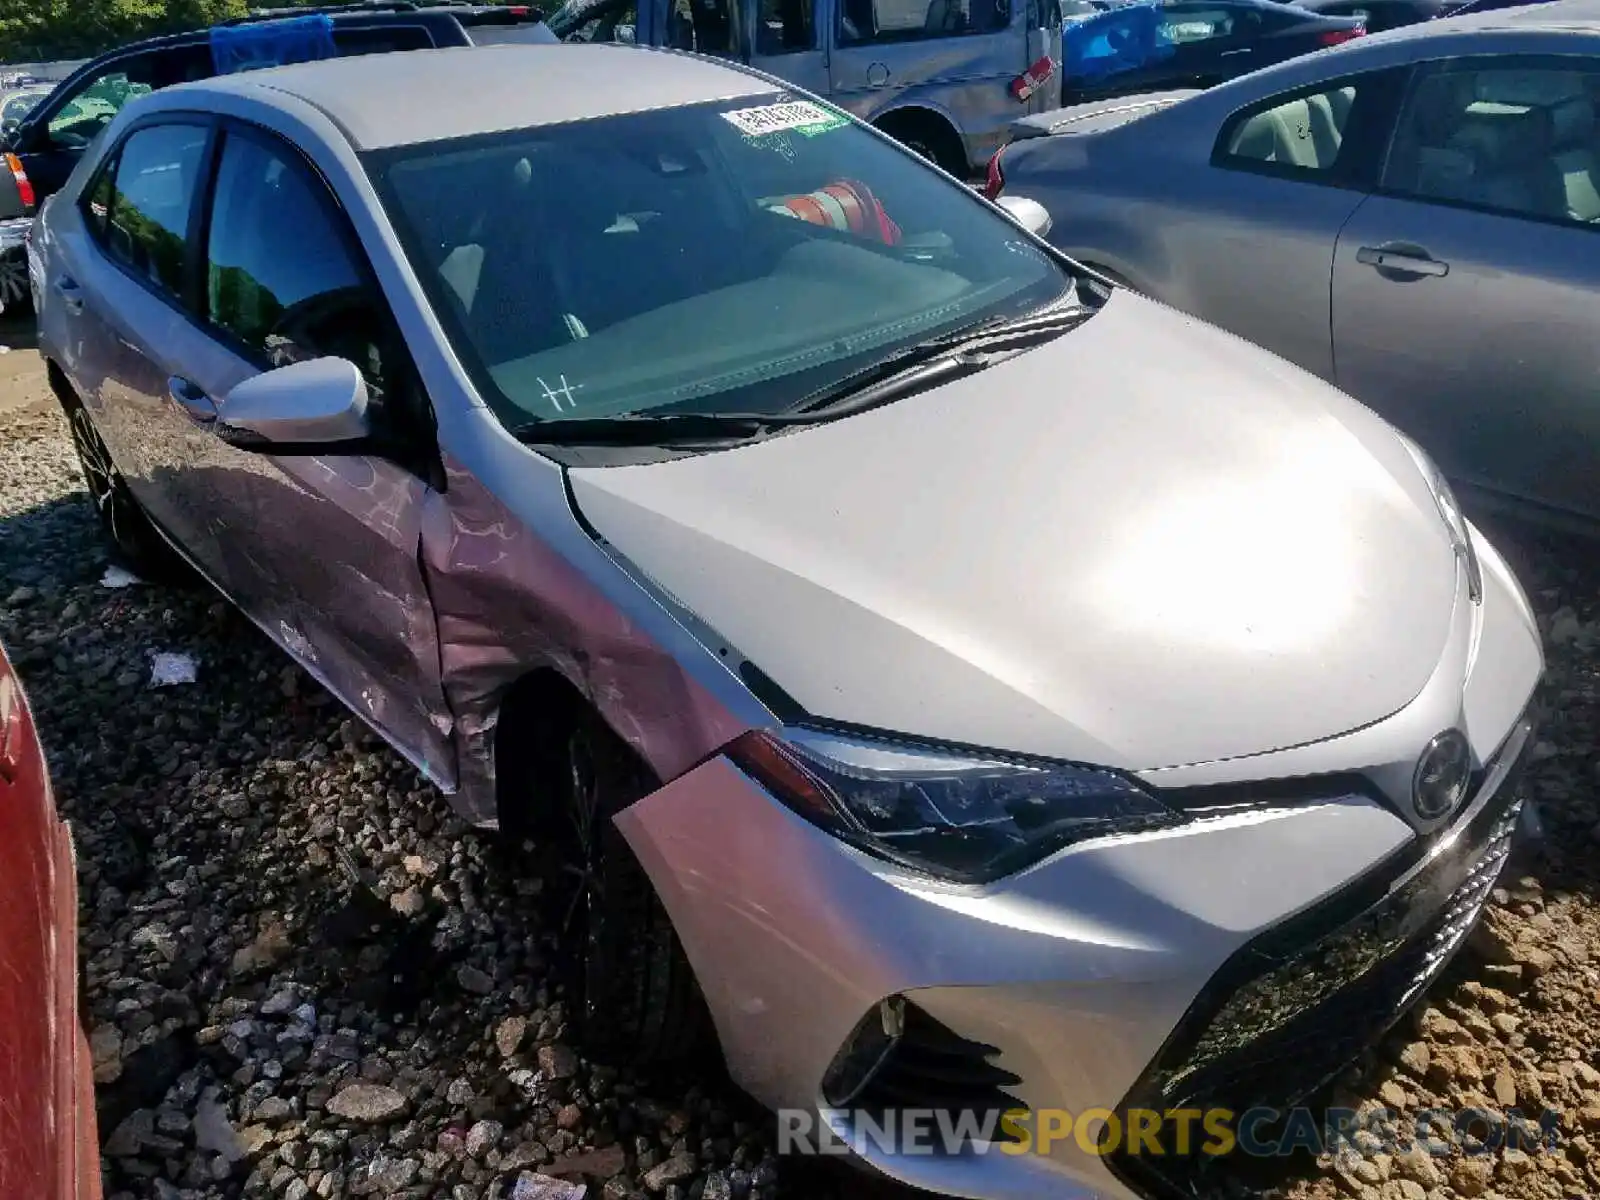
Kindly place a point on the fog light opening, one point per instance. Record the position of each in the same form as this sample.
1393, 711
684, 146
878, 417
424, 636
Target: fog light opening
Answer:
864, 1052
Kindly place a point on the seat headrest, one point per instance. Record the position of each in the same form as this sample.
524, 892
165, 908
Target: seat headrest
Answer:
1505, 137
1436, 108
1542, 88
1572, 122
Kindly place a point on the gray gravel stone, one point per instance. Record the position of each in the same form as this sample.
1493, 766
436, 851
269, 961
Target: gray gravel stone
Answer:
367, 1103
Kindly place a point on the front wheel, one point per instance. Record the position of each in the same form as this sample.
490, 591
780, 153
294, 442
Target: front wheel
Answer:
637, 1000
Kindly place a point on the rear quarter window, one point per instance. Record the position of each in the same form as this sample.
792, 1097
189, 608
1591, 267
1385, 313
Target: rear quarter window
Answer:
382, 39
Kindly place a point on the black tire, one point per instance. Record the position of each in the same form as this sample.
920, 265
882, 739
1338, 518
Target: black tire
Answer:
634, 995
133, 540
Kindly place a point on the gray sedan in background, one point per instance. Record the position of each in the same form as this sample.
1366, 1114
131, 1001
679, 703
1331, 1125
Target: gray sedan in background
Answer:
1414, 216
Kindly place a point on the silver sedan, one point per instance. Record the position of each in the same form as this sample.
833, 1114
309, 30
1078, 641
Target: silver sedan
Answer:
971, 693
1414, 217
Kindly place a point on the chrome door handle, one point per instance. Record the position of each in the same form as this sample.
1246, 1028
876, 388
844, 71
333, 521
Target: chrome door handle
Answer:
1406, 260
1230, 53
191, 401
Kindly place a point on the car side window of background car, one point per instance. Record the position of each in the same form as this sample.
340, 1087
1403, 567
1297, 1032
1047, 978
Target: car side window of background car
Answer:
1181, 24
1514, 136
1333, 134
282, 279
785, 26
74, 125
705, 26
617, 21
148, 195
862, 21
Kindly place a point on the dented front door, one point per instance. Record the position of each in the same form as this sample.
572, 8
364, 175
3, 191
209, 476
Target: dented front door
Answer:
334, 539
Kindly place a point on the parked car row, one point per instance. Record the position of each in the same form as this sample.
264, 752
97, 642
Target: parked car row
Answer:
1413, 217
904, 633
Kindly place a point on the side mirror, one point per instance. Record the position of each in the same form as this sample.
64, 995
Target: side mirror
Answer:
1030, 214
310, 407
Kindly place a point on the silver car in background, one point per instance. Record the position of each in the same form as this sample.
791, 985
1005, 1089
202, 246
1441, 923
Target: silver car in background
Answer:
975, 688
1414, 217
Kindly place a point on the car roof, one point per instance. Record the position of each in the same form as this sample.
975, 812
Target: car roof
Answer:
483, 89
1579, 16
368, 13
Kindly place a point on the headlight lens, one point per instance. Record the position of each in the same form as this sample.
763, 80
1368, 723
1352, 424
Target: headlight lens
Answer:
954, 816
1454, 519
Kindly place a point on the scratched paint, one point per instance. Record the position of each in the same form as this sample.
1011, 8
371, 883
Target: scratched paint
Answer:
506, 603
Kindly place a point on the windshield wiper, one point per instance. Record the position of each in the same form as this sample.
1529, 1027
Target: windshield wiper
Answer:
930, 362
649, 429
924, 365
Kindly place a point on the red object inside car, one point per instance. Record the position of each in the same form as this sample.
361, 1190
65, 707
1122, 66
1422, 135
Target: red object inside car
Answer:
994, 181
847, 206
1335, 37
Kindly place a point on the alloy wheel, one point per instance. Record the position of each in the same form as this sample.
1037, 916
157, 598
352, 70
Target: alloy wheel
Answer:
585, 859
14, 288
100, 475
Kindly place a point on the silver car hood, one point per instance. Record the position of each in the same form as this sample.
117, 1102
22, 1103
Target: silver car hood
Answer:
1144, 544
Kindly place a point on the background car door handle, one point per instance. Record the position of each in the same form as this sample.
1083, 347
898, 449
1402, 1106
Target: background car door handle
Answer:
1231, 53
71, 294
191, 400
1403, 260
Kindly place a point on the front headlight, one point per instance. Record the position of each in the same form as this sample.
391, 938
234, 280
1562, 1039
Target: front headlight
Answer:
1455, 520
956, 816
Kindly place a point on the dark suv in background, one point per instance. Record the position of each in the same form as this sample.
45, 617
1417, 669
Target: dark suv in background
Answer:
41, 151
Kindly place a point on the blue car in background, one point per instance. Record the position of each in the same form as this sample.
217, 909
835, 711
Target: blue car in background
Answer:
1150, 47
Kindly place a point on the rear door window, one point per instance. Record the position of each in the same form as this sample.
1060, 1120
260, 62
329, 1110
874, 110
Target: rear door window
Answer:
909, 20
152, 193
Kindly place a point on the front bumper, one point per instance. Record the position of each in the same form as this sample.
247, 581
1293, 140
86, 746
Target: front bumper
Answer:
1147, 971
1293, 1008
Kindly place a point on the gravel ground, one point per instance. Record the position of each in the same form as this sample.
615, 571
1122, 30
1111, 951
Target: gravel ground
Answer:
305, 978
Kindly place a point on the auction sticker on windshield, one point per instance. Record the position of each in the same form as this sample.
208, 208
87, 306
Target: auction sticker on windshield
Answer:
801, 116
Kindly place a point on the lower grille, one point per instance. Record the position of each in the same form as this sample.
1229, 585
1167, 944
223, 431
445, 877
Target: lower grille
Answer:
1291, 1011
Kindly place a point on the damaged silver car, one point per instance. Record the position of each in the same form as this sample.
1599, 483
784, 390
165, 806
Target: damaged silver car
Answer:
974, 689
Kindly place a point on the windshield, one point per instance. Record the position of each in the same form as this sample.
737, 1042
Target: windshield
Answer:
18, 105
728, 257
570, 20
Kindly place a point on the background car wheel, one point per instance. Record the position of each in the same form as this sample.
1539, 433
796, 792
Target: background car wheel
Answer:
930, 136
16, 295
133, 539
634, 992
